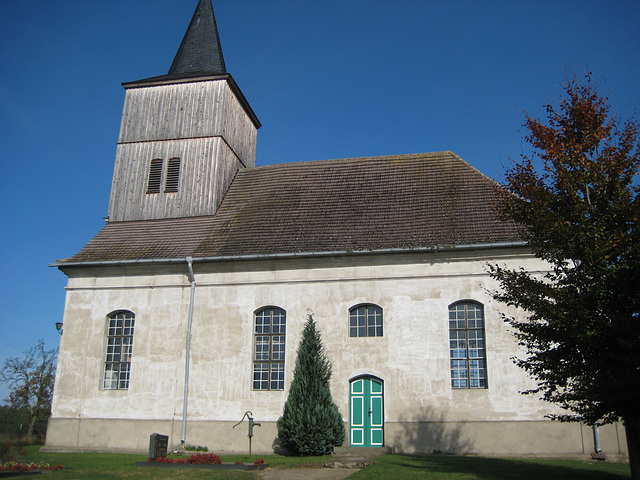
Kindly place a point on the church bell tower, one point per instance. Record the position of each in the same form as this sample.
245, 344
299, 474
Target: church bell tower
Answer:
183, 135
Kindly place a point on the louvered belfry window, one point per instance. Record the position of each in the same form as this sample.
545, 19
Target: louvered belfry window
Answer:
155, 176
173, 176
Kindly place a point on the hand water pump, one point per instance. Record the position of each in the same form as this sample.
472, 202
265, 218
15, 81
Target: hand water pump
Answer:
248, 414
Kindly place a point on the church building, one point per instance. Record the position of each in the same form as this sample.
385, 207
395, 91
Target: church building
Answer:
186, 309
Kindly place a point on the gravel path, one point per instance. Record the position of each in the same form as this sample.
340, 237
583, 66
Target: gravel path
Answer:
306, 473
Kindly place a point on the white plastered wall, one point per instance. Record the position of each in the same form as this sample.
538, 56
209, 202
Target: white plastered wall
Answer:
421, 410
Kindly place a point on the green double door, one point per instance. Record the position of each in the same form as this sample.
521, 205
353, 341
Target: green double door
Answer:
367, 412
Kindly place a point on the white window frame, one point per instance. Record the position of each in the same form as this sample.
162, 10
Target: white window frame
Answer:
467, 345
269, 348
119, 350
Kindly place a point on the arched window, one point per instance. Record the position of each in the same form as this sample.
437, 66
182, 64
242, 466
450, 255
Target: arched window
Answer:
117, 366
269, 348
467, 349
365, 321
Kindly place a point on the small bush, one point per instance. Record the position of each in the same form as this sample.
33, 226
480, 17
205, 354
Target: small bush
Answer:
193, 448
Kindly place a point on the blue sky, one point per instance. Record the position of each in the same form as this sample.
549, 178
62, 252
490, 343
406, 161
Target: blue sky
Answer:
327, 79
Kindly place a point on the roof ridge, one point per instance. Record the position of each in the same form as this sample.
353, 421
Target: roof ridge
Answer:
405, 156
476, 169
163, 220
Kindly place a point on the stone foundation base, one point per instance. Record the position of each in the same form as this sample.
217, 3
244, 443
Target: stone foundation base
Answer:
499, 438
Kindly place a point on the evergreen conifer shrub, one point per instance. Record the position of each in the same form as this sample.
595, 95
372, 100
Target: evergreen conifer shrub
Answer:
311, 423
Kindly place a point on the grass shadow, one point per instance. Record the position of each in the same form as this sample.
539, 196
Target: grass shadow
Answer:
450, 467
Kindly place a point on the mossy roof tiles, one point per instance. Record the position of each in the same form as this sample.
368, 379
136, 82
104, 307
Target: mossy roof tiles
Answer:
357, 204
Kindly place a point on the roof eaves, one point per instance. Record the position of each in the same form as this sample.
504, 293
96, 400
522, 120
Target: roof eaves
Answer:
63, 264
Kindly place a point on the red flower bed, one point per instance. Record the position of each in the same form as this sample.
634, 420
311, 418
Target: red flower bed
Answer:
21, 467
197, 459
260, 461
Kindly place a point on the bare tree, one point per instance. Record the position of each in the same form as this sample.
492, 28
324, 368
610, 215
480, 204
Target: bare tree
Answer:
31, 377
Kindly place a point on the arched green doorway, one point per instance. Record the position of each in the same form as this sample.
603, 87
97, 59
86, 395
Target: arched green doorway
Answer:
366, 400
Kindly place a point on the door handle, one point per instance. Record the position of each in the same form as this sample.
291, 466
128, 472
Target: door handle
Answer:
370, 412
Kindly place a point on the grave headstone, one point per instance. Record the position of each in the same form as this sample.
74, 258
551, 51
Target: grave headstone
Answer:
158, 445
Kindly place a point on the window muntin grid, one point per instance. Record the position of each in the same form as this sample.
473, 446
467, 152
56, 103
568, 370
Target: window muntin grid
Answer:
467, 347
365, 321
269, 349
117, 367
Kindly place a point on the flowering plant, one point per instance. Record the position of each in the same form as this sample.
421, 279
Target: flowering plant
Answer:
9, 453
21, 467
197, 459
259, 461
238, 462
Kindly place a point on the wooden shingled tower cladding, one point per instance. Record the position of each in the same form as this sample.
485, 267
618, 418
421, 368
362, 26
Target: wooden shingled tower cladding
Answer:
183, 135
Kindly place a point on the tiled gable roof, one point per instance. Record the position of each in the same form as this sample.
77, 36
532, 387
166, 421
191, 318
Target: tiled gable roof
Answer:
358, 204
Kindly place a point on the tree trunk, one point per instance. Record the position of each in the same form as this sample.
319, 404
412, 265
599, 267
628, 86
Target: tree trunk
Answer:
33, 416
632, 429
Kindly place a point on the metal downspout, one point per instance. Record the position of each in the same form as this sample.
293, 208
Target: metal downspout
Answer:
192, 279
596, 439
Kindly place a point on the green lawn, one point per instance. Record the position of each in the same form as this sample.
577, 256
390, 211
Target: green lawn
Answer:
451, 467
391, 467
106, 466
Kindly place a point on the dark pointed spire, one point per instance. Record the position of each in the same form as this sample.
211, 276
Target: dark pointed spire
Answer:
199, 58
200, 51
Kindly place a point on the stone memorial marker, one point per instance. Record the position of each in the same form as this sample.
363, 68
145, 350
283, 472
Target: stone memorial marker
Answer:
158, 445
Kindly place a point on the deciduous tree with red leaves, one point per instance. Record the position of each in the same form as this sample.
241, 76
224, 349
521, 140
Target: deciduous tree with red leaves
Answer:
576, 198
